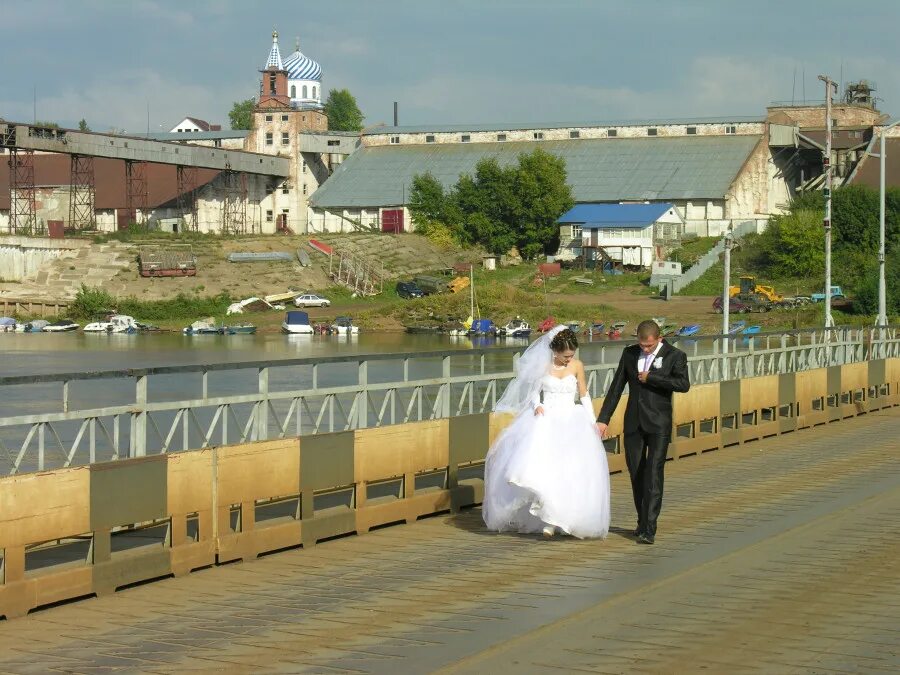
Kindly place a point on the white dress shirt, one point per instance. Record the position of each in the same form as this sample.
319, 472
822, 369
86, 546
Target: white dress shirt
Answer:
646, 360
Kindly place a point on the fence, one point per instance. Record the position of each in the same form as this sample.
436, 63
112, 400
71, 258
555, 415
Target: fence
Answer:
260, 400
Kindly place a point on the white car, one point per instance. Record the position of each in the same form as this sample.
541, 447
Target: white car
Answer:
311, 300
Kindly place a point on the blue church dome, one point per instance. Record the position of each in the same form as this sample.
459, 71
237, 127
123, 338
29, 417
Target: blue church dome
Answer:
300, 67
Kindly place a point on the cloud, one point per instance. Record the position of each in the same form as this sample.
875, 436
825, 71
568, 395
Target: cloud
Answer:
120, 100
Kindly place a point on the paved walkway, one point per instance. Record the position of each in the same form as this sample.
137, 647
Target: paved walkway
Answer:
780, 557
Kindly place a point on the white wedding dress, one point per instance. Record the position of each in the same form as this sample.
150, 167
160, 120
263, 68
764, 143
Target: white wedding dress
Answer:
549, 469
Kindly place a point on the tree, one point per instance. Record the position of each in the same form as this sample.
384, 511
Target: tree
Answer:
792, 245
499, 207
83, 125
343, 112
241, 114
544, 195
427, 201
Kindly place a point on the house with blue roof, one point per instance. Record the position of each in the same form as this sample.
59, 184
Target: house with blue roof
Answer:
619, 235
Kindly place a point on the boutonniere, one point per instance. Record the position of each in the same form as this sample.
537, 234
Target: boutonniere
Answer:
657, 362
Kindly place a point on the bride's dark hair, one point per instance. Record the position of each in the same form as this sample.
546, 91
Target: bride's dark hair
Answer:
563, 340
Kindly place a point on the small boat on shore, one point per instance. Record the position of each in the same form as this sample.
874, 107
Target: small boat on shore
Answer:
517, 328
117, 323
689, 330
615, 331
343, 325
423, 330
296, 323
61, 326
736, 327
36, 326
483, 327
240, 329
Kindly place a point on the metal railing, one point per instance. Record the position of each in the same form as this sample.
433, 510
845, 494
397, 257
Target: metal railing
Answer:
87, 417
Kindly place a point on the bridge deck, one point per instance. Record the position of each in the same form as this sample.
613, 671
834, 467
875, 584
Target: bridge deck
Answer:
781, 556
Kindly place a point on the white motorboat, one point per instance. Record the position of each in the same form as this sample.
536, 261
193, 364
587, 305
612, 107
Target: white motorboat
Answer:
516, 328
117, 323
61, 326
343, 325
296, 323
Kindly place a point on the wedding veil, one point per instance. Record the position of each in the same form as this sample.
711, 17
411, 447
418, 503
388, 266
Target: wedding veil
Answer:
530, 368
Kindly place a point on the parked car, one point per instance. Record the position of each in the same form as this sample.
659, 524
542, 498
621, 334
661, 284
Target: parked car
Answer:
311, 300
735, 306
408, 289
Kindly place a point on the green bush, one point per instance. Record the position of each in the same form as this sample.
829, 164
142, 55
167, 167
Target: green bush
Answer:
91, 303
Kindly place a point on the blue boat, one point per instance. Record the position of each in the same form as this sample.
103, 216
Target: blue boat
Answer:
690, 329
751, 330
483, 327
736, 327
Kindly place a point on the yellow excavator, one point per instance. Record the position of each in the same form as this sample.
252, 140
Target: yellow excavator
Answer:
749, 287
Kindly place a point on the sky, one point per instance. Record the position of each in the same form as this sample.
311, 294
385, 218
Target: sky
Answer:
444, 61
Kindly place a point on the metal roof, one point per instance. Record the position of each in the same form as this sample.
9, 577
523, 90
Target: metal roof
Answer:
602, 216
610, 170
520, 126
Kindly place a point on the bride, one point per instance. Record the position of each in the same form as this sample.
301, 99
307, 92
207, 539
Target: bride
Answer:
547, 471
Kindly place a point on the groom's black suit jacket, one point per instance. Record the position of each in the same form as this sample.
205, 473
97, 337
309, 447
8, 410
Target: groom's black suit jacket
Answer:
649, 405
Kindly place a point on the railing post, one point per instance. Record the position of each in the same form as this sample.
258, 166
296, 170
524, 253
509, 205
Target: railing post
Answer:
139, 418
445, 399
262, 408
362, 396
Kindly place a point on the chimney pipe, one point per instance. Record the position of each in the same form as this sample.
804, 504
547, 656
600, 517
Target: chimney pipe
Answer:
395, 113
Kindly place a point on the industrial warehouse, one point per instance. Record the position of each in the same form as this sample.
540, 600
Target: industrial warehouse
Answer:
716, 172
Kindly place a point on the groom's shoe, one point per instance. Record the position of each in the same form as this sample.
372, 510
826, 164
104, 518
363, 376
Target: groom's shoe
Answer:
645, 538
638, 530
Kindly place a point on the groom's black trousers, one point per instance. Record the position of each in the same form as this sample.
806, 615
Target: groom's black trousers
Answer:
645, 455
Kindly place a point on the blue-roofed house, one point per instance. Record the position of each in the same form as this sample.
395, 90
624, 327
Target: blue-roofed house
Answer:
629, 235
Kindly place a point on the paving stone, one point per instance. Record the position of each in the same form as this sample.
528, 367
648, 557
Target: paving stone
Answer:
777, 557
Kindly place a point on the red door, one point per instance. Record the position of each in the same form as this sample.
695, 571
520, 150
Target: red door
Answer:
392, 220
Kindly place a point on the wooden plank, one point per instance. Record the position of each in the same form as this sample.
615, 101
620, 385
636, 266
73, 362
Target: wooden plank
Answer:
39, 507
759, 392
260, 470
395, 450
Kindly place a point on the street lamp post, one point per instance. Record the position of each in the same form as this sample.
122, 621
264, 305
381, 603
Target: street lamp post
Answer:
882, 321
726, 298
826, 162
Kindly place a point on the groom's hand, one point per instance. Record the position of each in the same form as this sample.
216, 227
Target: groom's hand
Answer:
601, 429
643, 377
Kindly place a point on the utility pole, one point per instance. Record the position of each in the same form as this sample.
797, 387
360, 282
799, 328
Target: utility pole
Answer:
726, 300
881, 321
826, 164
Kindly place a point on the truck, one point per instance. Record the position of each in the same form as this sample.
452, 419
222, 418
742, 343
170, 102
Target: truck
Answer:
749, 287
836, 294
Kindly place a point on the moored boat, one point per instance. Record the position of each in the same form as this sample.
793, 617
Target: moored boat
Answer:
61, 326
343, 325
240, 329
296, 323
690, 329
517, 328
117, 323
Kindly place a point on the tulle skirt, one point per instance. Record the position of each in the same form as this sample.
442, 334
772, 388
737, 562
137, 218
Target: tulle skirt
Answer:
548, 469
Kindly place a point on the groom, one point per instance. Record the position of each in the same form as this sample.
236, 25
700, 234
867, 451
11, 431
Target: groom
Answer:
653, 369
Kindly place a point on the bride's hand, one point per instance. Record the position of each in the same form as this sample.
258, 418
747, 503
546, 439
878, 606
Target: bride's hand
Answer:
538, 410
